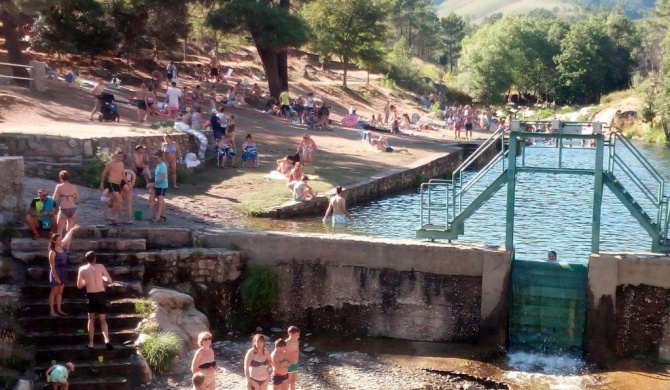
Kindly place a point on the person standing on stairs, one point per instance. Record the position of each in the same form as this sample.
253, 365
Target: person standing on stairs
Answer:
58, 259
94, 276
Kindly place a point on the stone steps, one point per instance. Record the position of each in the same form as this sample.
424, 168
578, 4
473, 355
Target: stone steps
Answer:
37, 290
65, 353
77, 304
58, 337
88, 383
93, 368
107, 258
120, 273
75, 322
104, 244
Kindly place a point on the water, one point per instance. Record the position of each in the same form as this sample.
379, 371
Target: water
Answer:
552, 212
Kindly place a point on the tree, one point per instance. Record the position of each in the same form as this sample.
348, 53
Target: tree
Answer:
452, 33
484, 64
351, 31
73, 26
272, 27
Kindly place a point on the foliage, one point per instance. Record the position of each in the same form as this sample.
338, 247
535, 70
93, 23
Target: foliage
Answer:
73, 26
160, 349
453, 32
144, 307
260, 287
149, 327
349, 30
88, 174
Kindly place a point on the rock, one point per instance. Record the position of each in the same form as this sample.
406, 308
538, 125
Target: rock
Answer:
308, 349
142, 370
259, 329
176, 313
276, 330
23, 384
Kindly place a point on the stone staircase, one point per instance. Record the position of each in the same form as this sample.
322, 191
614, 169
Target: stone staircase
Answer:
64, 338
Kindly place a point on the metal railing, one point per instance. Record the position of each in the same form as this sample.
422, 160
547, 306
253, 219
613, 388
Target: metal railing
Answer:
28, 67
446, 196
654, 193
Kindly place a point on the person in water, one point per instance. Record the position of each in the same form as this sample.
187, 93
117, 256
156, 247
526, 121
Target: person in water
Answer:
551, 256
338, 207
203, 361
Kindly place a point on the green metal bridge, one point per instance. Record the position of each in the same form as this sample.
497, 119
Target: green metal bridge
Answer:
444, 209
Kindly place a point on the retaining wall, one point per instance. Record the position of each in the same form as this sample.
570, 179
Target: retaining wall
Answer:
374, 287
629, 307
46, 155
11, 189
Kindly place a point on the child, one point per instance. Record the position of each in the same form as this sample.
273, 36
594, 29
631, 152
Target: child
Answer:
302, 190
225, 151
198, 381
249, 152
293, 354
307, 147
105, 199
57, 374
280, 365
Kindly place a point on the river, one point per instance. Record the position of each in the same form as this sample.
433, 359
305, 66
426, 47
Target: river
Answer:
552, 212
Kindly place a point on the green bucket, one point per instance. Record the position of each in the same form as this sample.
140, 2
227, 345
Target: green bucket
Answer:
138, 215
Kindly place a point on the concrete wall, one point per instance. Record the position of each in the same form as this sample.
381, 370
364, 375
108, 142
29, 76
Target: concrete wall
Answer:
11, 189
394, 288
46, 155
629, 306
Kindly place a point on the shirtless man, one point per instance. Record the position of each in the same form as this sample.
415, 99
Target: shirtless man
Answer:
94, 276
293, 355
114, 171
280, 365
97, 97
141, 96
339, 208
140, 162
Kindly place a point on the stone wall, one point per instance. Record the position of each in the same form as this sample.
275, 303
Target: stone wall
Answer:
629, 307
380, 287
46, 155
11, 189
192, 265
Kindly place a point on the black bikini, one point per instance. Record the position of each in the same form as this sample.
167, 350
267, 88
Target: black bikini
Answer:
205, 366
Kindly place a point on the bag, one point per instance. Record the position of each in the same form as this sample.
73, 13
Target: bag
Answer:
46, 219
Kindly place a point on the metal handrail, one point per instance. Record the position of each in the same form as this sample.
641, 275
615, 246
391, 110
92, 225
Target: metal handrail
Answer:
482, 172
636, 180
640, 157
426, 189
480, 150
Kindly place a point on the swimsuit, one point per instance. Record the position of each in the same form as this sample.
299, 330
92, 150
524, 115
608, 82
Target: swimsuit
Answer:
60, 268
141, 104
69, 213
256, 363
279, 379
293, 368
339, 218
205, 366
97, 302
170, 149
114, 187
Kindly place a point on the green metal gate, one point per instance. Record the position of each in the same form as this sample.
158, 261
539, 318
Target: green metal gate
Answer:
548, 306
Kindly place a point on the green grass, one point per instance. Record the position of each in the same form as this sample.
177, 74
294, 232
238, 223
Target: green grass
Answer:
144, 307
617, 96
160, 349
260, 287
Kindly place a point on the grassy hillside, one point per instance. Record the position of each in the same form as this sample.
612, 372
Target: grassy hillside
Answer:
477, 9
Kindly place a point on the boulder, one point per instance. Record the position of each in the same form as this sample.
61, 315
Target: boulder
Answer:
176, 312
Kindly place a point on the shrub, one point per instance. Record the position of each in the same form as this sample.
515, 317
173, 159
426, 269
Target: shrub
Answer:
149, 327
160, 349
144, 307
88, 174
259, 288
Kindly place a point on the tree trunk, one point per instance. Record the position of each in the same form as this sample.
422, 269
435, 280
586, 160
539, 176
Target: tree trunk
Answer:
345, 62
12, 43
269, 59
282, 68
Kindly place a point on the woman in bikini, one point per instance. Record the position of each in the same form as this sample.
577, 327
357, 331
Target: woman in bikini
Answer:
58, 262
66, 195
127, 185
203, 361
257, 365
306, 148
150, 101
171, 153
295, 175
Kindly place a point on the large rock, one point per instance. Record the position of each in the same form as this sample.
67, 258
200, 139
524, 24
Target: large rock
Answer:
176, 312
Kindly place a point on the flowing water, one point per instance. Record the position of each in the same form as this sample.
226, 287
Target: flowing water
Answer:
552, 212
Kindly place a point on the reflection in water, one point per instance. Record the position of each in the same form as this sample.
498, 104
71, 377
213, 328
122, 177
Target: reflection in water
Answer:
552, 212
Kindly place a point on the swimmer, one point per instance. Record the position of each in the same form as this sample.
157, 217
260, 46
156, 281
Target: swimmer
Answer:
339, 208
551, 256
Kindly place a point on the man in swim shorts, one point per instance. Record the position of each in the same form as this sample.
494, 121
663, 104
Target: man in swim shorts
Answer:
93, 276
339, 208
113, 172
293, 355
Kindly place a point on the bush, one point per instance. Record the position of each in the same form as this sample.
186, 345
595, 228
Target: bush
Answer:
144, 307
89, 172
259, 288
160, 349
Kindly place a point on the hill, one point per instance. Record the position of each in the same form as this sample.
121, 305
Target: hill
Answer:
478, 9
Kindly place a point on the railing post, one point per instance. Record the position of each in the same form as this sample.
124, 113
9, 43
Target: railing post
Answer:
511, 189
597, 194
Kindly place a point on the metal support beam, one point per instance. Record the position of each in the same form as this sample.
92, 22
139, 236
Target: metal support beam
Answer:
511, 190
597, 194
